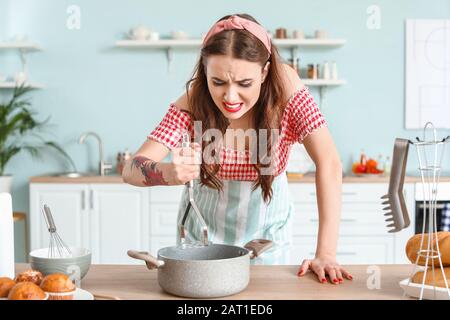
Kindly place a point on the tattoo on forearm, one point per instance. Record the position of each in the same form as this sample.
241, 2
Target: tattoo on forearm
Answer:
153, 177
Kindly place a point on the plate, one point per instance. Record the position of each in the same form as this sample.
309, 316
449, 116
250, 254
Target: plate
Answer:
368, 175
413, 290
79, 294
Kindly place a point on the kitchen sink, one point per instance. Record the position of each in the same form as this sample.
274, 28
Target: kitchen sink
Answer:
74, 174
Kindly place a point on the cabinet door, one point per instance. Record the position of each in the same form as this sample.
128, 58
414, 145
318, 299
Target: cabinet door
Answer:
69, 209
350, 250
159, 242
165, 202
118, 222
362, 220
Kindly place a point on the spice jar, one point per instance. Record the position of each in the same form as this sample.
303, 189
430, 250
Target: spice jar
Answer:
281, 33
312, 72
326, 71
122, 157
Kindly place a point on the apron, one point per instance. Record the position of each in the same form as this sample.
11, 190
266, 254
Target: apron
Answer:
238, 215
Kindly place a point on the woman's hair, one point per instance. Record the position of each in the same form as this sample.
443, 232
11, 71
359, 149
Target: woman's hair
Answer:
239, 44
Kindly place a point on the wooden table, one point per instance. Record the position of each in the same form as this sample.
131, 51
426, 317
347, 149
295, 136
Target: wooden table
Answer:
267, 283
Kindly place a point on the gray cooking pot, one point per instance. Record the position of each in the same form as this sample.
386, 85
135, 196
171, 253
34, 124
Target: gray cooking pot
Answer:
210, 271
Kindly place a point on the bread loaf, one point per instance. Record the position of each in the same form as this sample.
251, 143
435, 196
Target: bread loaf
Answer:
413, 246
437, 280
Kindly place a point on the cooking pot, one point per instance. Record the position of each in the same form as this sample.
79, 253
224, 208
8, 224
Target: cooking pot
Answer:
205, 271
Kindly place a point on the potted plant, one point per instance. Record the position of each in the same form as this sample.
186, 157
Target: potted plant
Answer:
17, 126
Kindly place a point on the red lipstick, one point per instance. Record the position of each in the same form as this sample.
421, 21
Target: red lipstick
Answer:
233, 109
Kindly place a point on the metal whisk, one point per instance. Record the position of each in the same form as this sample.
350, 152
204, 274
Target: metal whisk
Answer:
57, 247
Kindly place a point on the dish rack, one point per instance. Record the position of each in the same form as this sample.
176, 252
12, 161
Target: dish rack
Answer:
430, 154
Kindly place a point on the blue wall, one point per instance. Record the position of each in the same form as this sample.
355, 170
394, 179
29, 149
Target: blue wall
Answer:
122, 94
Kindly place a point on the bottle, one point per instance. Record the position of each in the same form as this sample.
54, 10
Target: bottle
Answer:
317, 76
363, 158
326, 71
126, 155
120, 163
290, 62
310, 71
387, 165
298, 67
380, 162
122, 157
334, 73
295, 64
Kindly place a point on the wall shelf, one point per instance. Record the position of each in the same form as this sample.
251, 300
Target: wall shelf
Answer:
323, 82
293, 44
12, 85
23, 47
159, 44
194, 43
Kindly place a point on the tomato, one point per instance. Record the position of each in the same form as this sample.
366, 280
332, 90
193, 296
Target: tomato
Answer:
371, 163
360, 168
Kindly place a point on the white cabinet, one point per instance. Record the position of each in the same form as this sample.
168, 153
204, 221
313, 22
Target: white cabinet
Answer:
108, 219
69, 209
351, 249
363, 235
164, 211
119, 221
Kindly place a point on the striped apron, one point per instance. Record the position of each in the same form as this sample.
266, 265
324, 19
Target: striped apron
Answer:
238, 215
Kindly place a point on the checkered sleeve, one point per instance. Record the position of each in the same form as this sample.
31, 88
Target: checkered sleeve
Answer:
170, 130
305, 116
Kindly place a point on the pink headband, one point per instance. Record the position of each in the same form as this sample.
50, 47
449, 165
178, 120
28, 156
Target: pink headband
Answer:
236, 22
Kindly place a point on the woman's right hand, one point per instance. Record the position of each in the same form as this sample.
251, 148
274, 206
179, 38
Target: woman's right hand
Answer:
185, 165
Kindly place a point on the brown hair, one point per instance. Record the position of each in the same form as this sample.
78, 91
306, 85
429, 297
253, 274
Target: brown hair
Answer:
240, 44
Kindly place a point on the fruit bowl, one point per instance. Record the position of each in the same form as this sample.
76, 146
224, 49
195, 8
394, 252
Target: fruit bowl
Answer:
366, 168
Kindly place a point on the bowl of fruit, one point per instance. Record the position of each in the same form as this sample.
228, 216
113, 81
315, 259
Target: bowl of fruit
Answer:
366, 167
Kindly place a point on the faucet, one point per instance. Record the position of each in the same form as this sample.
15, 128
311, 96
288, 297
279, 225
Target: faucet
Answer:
103, 166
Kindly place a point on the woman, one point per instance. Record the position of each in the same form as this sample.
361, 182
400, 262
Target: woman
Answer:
240, 86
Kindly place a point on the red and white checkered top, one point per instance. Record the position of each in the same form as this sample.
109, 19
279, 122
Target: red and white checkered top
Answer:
300, 118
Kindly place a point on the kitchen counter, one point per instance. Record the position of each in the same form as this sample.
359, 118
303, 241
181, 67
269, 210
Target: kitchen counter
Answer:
292, 178
266, 283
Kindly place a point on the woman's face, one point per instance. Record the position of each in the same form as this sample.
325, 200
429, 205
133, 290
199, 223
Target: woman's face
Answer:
234, 84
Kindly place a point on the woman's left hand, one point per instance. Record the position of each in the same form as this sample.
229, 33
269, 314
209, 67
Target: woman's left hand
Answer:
325, 266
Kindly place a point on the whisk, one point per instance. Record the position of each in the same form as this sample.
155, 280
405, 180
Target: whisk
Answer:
57, 247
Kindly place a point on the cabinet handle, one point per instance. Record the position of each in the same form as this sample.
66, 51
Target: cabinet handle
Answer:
342, 220
346, 253
342, 253
343, 193
91, 199
83, 200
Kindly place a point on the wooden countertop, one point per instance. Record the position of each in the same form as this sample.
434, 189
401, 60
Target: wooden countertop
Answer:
292, 178
266, 283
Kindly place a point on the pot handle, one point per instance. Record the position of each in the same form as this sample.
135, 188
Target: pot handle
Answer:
258, 246
150, 261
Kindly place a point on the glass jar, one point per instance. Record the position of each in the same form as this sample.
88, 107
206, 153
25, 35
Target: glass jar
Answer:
311, 71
